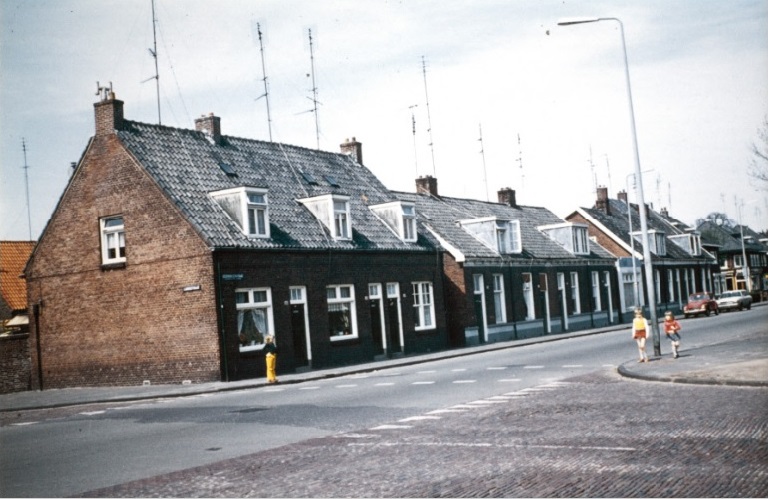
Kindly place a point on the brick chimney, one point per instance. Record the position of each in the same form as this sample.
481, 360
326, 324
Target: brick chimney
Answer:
427, 184
602, 203
109, 113
210, 126
353, 148
507, 197
622, 195
665, 212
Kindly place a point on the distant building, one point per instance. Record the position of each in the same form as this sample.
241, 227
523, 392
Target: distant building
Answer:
172, 253
681, 266
14, 337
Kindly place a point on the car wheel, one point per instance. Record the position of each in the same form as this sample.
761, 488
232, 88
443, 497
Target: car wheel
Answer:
707, 312
741, 307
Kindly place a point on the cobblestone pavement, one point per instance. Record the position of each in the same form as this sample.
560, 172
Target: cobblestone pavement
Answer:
596, 435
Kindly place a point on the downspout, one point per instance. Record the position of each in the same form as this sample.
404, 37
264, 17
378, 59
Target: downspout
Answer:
220, 303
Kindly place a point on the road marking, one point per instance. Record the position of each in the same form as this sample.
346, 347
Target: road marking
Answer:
345, 386
309, 388
459, 381
384, 384
445, 411
458, 370
533, 367
508, 380
274, 390
423, 383
418, 418
500, 368
25, 424
569, 366
426, 372
92, 413
392, 427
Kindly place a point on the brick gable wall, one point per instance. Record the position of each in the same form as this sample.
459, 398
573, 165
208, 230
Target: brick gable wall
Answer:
126, 325
601, 237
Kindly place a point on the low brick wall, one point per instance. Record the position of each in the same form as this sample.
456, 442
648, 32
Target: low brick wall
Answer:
15, 364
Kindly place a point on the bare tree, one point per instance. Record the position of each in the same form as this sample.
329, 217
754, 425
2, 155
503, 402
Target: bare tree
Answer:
720, 219
758, 168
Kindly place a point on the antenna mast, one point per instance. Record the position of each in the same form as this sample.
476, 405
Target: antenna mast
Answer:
314, 88
26, 182
592, 167
482, 153
520, 161
413, 127
266, 88
429, 117
608, 167
153, 51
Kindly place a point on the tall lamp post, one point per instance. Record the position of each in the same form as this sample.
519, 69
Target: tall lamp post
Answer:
651, 289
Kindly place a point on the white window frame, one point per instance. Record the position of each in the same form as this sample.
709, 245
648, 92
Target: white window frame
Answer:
239, 204
298, 296
335, 299
400, 217
112, 239
408, 232
499, 302
257, 213
342, 228
530, 304
596, 300
657, 284
334, 211
575, 295
500, 235
424, 305
607, 276
580, 240
254, 302
671, 285
515, 240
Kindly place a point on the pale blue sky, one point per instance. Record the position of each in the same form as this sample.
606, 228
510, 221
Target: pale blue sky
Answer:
699, 72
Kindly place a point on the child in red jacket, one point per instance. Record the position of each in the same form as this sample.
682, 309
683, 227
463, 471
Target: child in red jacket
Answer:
671, 327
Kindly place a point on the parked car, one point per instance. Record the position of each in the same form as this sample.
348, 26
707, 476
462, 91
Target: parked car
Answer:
701, 303
735, 300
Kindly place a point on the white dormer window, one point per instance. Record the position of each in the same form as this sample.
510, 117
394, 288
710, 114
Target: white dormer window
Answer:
400, 217
657, 241
334, 212
248, 207
500, 235
690, 242
571, 236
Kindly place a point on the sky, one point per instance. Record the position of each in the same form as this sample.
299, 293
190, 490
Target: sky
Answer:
500, 95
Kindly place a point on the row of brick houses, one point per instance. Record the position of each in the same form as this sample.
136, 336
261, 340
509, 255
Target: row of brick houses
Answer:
172, 253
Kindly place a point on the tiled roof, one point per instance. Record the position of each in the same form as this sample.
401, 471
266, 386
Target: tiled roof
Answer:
714, 234
618, 223
441, 214
187, 167
13, 259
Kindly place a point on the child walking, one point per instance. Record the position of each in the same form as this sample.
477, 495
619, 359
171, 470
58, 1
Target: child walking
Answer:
270, 351
671, 327
640, 333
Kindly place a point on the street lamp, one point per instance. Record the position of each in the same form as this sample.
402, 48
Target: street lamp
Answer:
651, 289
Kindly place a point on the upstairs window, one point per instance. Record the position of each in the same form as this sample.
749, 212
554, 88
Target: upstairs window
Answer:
690, 242
112, 240
334, 212
657, 241
248, 207
573, 237
502, 236
400, 217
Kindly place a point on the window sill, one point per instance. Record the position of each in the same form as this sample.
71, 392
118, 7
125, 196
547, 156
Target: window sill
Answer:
112, 266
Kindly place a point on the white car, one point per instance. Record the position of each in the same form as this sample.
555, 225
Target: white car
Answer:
735, 300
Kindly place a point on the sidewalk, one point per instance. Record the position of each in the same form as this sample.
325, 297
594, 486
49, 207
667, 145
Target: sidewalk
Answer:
737, 361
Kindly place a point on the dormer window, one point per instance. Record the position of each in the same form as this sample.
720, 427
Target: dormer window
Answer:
500, 235
248, 207
690, 242
656, 240
400, 217
571, 236
334, 212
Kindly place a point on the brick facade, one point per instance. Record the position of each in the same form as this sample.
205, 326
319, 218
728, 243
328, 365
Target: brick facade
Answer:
124, 325
15, 362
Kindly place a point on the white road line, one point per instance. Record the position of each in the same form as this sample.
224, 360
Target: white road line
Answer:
345, 386
569, 366
501, 368
459, 381
309, 388
465, 406
92, 413
446, 411
391, 427
426, 372
25, 424
384, 384
533, 367
418, 418
274, 390
423, 383
458, 370
508, 380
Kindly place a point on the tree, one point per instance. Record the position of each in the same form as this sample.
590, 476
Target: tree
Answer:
720, 219
758, 168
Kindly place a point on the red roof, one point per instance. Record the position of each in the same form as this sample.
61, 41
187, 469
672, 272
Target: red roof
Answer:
13, 259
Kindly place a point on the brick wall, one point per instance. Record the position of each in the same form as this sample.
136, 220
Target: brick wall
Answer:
15, 366
125, 325
602, 239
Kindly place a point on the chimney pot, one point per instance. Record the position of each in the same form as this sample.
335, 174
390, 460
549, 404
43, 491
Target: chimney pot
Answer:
109, 115
622, 195
354, 149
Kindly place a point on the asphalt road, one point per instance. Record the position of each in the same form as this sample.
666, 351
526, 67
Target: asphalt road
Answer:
172, 446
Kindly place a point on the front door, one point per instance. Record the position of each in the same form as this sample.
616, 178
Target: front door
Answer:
298, 327
377, 319
393, 323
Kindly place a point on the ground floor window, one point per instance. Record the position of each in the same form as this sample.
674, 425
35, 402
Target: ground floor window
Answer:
423, 305
498, 299
342, 315
530, 311
596, 302
254, 317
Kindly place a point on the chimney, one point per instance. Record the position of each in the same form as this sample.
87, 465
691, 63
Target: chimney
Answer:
427, 184
109, 113
210, 126
622, 195
665, 212
507, 197
353, 148
602, 203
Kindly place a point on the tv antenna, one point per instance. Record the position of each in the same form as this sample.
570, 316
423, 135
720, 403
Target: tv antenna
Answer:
592, 167
153, 53
413, 128
608, 167
26, 183
314, 88
519, 160
429, 117
264, 79
482, 153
